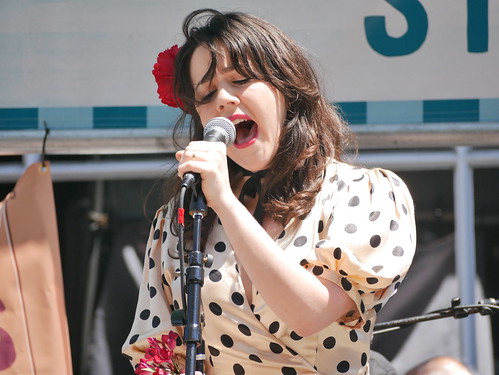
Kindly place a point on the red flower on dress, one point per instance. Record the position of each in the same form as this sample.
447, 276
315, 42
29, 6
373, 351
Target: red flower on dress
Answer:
159, 358
164, 74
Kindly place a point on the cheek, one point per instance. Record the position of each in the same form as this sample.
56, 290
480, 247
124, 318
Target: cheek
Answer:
204, 114
280, 118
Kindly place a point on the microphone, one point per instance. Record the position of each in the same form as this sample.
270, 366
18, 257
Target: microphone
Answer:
218, 129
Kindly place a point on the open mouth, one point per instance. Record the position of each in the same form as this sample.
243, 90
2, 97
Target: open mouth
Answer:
246, 133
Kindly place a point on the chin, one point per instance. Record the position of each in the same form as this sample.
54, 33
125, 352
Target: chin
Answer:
250, 162
250, 166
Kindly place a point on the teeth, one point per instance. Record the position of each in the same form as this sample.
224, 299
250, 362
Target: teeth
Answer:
238, 121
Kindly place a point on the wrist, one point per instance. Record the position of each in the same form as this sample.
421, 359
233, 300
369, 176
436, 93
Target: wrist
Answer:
224, 202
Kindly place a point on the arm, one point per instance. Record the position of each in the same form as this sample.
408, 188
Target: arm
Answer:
304, 302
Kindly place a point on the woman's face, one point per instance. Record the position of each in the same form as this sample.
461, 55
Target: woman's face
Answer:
256, 108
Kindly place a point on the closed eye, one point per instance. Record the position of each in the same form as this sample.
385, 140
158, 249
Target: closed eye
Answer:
242, 81
209, 95
206, 98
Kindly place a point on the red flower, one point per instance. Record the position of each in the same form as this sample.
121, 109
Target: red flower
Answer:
163, 73
170, 340
159, 358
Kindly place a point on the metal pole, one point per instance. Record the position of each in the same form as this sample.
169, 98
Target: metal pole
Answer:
464, 216
93, 279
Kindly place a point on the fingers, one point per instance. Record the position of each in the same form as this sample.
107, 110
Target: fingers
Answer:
193, 158
202, 151
186, 155
209, 160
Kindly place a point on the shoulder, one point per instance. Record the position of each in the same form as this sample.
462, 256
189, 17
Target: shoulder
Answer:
165, 212
160, 225
355, 187
342, 171
343, 175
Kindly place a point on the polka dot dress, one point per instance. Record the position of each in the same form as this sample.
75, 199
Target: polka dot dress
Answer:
360, 235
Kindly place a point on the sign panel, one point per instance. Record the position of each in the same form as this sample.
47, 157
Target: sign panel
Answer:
385, 61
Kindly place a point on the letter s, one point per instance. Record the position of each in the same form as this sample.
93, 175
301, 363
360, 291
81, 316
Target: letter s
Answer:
417, 28
478, 26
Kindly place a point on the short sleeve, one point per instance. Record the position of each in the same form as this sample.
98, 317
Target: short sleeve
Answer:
368, 237
156, 300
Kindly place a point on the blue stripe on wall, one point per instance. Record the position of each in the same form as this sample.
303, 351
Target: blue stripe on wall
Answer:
489, 110
120, 117
162, 117
395, 112
372, 113
66, 117
18, 118
465, 110
354, 112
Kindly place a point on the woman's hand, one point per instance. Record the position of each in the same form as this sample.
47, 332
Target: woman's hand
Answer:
209, 159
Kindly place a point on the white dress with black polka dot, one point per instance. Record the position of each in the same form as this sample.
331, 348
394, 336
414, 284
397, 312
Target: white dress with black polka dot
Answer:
360, 235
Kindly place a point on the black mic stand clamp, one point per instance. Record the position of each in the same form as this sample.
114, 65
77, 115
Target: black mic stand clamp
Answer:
457, 311
194, 281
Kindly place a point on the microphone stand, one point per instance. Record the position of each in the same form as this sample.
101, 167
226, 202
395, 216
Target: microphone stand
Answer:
194, 282
218, 129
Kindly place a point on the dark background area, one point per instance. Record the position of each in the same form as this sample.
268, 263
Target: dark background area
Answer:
128, 207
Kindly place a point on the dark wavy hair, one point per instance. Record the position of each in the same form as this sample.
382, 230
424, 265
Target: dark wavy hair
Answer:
313, 131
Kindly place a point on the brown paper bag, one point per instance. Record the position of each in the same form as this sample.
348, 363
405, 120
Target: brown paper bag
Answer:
34, 335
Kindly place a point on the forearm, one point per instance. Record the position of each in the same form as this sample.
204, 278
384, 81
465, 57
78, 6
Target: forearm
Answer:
303, 301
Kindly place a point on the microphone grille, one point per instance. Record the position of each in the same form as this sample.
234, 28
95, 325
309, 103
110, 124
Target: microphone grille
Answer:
224, 127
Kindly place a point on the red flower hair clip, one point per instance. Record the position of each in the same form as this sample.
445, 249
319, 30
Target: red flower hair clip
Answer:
164, 74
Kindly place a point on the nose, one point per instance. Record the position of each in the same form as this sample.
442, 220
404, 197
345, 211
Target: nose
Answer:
226, 100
